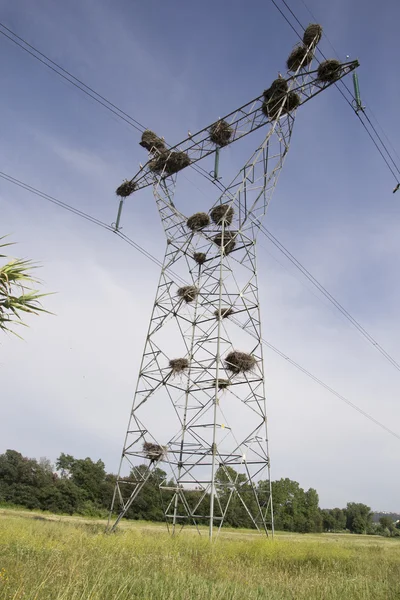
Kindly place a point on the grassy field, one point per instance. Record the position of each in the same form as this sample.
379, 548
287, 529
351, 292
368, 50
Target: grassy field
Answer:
53, 558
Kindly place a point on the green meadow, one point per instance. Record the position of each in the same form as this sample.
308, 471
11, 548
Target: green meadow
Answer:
52, 558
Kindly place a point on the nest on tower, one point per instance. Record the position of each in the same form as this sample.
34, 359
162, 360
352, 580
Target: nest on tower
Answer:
188, 293
224, 312
239, 362
178, 365
329, 70
278, 86
272, 106
222, 214
227, 241
126, 188
312, 35
299, 58
221, 133
151, 141
200, 257
169, 162
222, 383
198, 221
154, 452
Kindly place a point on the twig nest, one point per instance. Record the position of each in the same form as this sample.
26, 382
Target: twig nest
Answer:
200, 257
220, 133
224, 313
300, 57
178, 365
292, 102
272, 106
312, 35
154, 452
151, 141
239, 362
188, 293
169, 162
126, 188
278, 86
227, 240
329, 70
222, 383
222, 214
198, 221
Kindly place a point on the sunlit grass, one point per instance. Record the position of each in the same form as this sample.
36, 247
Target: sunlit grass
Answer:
71, 558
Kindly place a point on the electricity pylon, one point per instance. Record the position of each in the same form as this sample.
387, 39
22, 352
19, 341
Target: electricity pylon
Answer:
199, 408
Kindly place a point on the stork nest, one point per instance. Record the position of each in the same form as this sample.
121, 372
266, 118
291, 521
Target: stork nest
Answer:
222, 214
222, 383
169, 162
151, 141
278, 86
126, 188
272, 106
154, 452
188, 293
198, 221
299, 58
329, 71
178, 365
200, 257
239, 362
312, 35
221, 133
229, 241
225, 312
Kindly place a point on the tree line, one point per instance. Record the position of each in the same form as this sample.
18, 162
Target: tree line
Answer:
82, 486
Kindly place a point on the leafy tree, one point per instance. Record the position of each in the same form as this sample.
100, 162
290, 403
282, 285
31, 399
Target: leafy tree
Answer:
358, 517
87, 475
328, 520
16, 293
386, 522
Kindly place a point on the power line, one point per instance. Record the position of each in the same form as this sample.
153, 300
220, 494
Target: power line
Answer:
59, 70
329, 296
337, 55
74, 80
148, 255
83, 87
341, 82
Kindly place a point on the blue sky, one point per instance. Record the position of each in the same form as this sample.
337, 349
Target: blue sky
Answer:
68, 386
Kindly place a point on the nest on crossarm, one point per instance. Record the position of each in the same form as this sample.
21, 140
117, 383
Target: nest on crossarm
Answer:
239, 362
198, 221
221, 133
272, 106
300, 57
169, 162
222, 383
126, 188
312, 35
227, 240
151, 141
200, 257
154, 452
278, 86
329, 70
222, 214
188, 293
224, 312
178, 365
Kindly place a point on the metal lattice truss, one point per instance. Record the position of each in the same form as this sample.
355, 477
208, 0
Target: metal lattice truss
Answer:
208, 425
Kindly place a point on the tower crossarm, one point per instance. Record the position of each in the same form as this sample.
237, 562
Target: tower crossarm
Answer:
242, 121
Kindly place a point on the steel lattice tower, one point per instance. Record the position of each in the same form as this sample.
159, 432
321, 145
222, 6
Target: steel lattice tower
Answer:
213, 419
